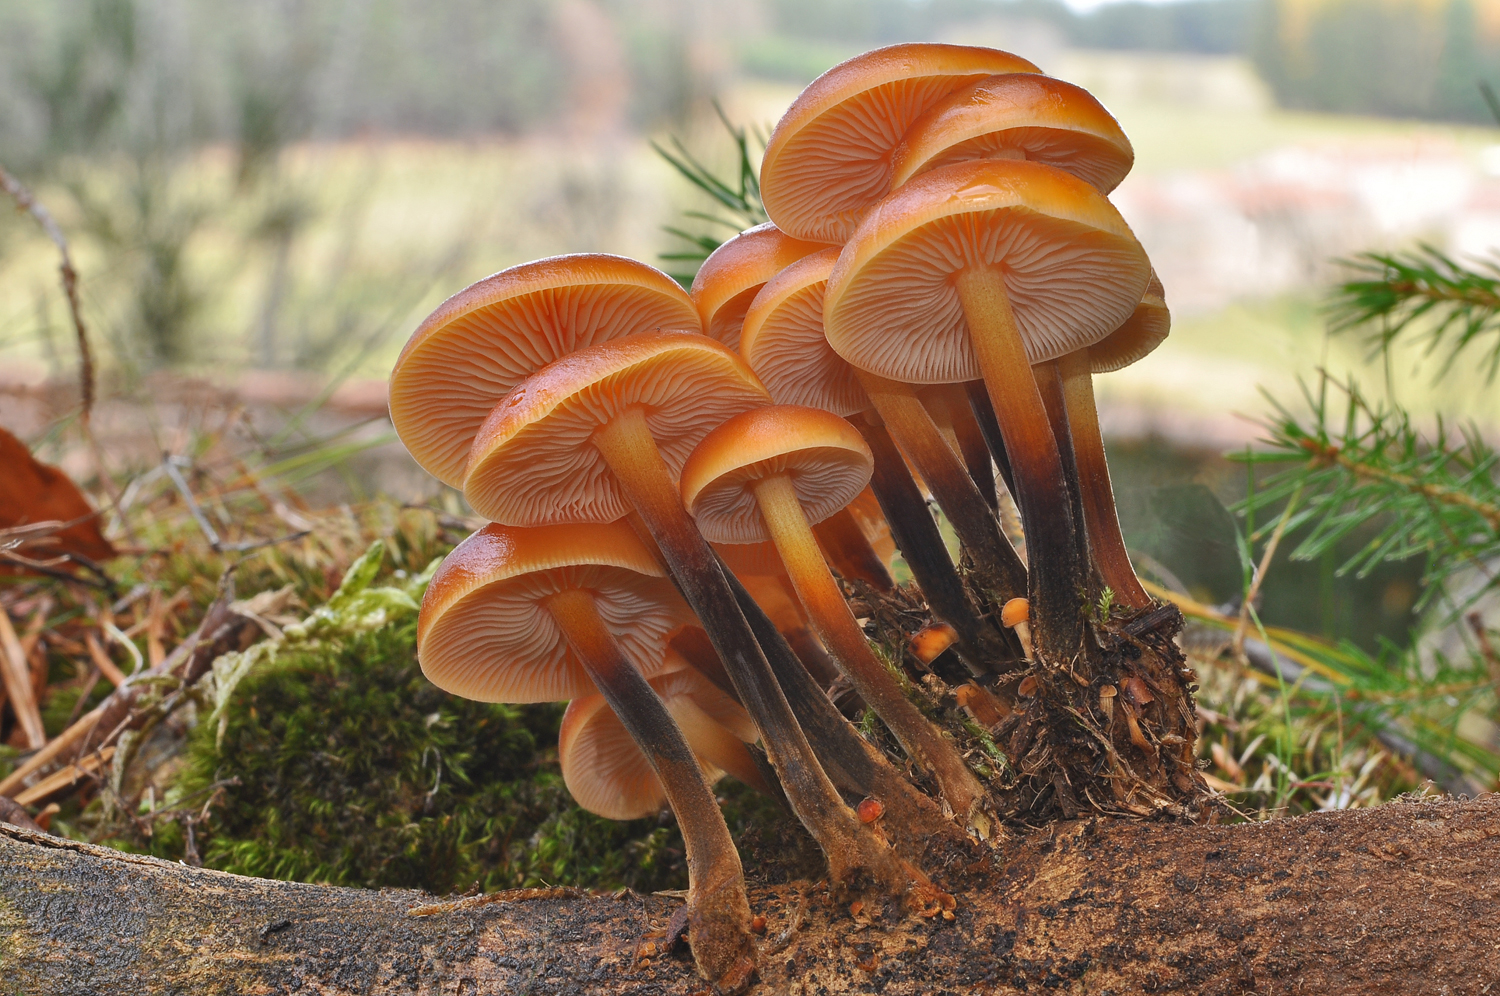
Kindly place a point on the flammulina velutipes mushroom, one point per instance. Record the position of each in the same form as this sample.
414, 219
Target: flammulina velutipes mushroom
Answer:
944, 270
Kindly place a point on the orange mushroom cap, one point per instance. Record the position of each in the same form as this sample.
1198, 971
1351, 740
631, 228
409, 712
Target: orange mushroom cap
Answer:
732, 274
1017, 610
605, 769
1018, 116
1145, 329
484, 632
533, 459
828, 160
478, 344
782, 340
827, 460
1073, 270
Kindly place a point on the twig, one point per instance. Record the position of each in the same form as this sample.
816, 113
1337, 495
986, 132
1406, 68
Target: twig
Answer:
15, 814
18, 684
101, 660
89, 767
219, 631
27, 202
1260, 574
1326, 454
169, 464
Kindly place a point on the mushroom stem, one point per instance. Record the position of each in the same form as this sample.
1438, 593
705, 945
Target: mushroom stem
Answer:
852, 850
1056, 574
909, 422
1049, 386
921, 546
846, 545
718, 908
989, 430
850, 759
1105, 539
949, 406
821, 596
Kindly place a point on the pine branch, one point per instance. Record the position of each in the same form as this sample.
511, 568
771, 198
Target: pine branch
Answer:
1423, 295
739, 196
1363, 465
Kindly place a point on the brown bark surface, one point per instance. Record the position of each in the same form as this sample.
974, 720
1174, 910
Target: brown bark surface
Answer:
1400, 899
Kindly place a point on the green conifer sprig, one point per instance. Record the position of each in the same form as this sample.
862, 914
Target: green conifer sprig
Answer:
1425, 295
738, 196
1360, 461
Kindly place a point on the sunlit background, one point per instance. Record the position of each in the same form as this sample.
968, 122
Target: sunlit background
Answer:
265, 199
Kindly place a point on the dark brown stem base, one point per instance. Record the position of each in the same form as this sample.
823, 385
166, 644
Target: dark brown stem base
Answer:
1113, 733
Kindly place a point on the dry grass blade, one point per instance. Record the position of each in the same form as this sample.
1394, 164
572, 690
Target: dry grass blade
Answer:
65, 779
129, 704
112, 674
18, 687
27, 202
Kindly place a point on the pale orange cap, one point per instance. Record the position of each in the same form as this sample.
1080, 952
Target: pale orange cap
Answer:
784, 344
484, 631
825, 457
534, 460
732, 274
1018, 116
472, 350
1143, 331
1073, 270
607, 772
828, 160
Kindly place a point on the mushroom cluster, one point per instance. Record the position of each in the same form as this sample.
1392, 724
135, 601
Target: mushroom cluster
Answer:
686, 491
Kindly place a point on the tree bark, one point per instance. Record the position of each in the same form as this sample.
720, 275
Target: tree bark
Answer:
1402, 898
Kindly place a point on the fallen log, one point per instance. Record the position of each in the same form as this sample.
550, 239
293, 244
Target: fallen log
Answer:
1404, 898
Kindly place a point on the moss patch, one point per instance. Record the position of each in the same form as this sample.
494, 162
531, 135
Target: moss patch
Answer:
345, 765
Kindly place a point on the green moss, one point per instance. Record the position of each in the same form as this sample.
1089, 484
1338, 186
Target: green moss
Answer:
345, 765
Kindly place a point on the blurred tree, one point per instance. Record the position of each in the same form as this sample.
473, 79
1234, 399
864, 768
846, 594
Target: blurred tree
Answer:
1405, 58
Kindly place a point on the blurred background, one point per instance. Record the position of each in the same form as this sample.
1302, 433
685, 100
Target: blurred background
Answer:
263, 200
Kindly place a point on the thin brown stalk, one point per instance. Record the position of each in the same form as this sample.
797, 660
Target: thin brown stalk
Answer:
27, 202
18, 686
1260, 574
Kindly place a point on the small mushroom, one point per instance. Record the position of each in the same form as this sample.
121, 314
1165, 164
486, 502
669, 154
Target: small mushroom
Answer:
1107, 703
979, 269
605, 769
1016, 614
517, 614
768, 473
732, 274
929, 642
